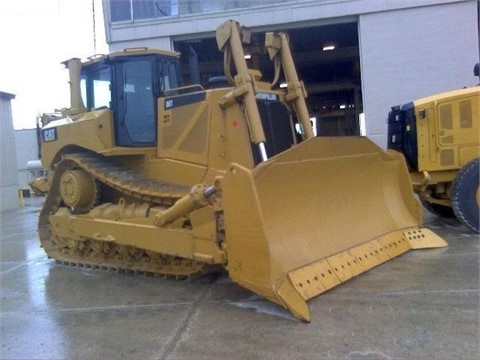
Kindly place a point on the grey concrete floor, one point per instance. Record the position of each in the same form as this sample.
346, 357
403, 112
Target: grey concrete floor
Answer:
424, 304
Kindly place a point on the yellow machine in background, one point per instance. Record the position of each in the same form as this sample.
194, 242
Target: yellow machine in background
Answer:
39, 185
177, 180
439, 136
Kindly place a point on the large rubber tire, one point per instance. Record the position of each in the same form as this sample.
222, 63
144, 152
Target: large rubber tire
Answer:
466, 195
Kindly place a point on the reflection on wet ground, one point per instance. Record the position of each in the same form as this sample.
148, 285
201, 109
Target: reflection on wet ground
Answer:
423, 304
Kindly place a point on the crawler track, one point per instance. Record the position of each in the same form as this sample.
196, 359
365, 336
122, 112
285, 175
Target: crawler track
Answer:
93, 253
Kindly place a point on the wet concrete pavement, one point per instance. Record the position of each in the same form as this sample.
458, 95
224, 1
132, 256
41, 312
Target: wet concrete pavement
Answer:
423, 304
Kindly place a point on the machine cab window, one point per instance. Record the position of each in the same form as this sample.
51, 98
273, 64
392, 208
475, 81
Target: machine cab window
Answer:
95, 87
139, 80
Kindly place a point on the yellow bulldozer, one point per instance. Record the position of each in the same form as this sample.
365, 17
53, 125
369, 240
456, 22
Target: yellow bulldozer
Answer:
154, 177
439, 137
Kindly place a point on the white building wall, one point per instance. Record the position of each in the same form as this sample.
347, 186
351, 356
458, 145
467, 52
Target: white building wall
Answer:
8, 158
408, 48
26, 150
412, 53
160, 32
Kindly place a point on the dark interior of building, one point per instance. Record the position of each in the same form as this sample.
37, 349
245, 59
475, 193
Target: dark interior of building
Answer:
331, 75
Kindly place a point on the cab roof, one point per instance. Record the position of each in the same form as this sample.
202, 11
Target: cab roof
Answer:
130, 52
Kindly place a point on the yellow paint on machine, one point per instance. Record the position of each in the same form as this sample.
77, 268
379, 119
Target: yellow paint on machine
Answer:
316, 216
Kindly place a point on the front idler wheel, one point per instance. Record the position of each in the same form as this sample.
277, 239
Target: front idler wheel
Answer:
78, 190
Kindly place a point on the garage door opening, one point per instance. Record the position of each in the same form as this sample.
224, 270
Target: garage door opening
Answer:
327, 59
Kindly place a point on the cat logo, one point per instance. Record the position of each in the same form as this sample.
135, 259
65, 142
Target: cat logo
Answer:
49, 135
168, 103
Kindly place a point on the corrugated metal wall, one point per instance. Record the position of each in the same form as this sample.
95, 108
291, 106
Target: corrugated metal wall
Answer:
8, 158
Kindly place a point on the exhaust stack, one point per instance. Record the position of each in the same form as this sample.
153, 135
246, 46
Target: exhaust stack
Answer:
74, 67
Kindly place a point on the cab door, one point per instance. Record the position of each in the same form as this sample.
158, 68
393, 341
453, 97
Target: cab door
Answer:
135, 116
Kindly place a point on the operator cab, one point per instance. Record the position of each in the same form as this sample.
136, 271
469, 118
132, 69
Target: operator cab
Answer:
129, 83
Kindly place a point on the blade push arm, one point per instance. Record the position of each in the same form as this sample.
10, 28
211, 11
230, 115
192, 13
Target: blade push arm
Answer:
229, 41
279, 52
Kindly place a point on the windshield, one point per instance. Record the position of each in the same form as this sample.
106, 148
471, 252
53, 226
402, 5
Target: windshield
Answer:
96, 79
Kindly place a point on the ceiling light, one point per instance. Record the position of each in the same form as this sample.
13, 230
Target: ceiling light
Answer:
328, 47
248, 57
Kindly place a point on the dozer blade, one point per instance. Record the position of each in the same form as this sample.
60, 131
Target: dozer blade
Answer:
317, 215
